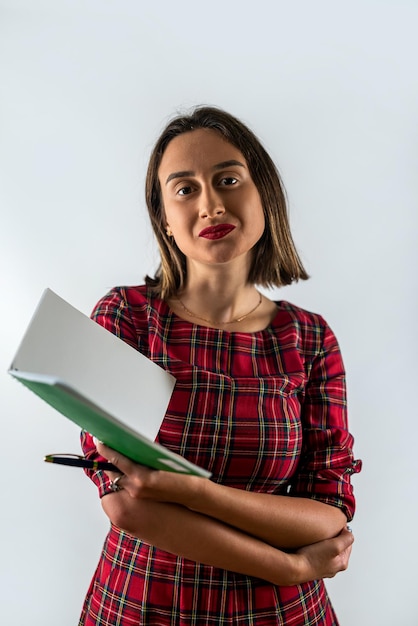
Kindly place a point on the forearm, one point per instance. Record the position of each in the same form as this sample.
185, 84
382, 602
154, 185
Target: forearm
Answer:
282, 521
178, 530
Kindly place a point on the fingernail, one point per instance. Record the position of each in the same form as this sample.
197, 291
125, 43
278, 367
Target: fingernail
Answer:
96, 441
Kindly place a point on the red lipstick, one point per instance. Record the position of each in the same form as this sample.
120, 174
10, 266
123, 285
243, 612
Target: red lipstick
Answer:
216, 232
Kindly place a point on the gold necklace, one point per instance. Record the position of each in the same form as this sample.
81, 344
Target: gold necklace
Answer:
237, 319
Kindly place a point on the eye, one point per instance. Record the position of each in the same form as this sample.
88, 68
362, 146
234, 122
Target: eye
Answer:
226, 181
184, 191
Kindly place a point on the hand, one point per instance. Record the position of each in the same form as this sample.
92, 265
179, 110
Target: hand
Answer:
141, 482
325, 558
129, 506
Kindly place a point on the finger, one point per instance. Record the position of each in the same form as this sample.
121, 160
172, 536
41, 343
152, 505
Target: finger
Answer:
346, 538
115, 484
344, 559
125, 465
114, 475
345, 550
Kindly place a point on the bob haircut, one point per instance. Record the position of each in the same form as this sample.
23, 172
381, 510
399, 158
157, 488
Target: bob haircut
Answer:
275, 259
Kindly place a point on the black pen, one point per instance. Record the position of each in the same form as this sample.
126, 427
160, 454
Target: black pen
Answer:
74, 460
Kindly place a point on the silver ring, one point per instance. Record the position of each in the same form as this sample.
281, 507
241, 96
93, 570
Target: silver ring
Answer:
350, 530
114, 484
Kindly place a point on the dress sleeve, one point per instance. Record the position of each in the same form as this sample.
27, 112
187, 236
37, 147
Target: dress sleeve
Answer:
112, 312
327, 460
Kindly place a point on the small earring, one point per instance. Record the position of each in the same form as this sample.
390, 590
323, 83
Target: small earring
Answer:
169, 231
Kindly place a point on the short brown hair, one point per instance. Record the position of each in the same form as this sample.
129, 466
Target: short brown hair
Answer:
275, 259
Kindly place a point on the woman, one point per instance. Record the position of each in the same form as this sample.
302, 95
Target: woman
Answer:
259, 401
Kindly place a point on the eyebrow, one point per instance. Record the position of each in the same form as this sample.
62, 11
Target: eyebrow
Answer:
218, 166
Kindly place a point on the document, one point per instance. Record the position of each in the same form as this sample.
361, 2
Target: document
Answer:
98, 381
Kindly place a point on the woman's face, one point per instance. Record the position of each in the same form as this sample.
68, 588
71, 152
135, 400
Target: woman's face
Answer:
211, 203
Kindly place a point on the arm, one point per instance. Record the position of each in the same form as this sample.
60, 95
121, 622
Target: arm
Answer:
282, 521
321, 497
327, 460
209, 541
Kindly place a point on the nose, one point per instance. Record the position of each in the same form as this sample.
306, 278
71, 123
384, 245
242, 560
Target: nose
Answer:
211, 204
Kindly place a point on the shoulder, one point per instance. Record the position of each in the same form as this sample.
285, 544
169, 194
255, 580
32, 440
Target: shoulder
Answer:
135, 301
302, 319
124, 296
300, 315
126, 311
310, 330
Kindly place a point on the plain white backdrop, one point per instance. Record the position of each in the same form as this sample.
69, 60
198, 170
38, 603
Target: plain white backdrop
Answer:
331, 89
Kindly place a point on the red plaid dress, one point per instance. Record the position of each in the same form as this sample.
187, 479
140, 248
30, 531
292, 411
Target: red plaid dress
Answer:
263, 411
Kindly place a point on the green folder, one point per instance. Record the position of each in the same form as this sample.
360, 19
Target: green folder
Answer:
99, 382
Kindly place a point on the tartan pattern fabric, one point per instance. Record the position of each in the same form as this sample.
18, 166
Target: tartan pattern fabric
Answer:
263, 411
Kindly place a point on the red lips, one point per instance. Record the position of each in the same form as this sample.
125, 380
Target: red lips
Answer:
216, 232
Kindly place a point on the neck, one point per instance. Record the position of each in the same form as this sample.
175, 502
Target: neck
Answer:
224, 321
218, 295
225, 280
219, 302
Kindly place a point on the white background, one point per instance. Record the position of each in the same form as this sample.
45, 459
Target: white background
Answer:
331, 90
